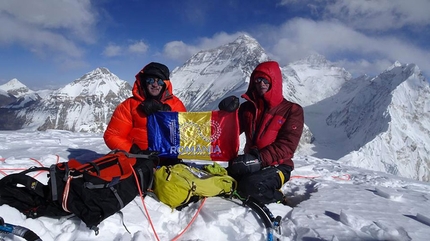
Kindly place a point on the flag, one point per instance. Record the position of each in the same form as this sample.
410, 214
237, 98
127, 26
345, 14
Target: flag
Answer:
211, 135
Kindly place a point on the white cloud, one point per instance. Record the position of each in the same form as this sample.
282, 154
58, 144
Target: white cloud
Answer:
49, 28
179, 51
112, 50
363, 66
381, 15
218, 39
357, 52
39, 41
298, 38
139, 47
75, 16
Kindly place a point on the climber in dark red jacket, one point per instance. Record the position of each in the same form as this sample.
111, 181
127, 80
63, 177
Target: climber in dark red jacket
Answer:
273, 127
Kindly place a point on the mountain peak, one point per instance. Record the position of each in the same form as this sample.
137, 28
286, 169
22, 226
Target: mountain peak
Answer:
211, 74
247, 41
99, 82
396, 64
96, 73
316, 59
245, 38
15, 88
101, 70
85, 104
12, 85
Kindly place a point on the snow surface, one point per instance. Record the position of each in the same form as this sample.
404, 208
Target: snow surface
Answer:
329, 201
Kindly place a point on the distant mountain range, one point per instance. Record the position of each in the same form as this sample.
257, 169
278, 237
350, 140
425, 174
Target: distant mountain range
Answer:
85, 105
380, 122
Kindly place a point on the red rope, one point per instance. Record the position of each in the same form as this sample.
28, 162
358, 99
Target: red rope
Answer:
66, 194
307, 177
13, 169
38, 173
38, 162
149, 218
143, 203
344, 177
21, 169
192, 220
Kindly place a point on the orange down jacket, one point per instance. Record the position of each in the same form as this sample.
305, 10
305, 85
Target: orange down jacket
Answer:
272, 124
128, 123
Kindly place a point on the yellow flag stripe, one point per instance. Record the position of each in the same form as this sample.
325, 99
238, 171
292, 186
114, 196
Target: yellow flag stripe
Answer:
195, 135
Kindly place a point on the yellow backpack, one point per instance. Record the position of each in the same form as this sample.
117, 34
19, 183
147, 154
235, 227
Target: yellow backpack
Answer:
176, 185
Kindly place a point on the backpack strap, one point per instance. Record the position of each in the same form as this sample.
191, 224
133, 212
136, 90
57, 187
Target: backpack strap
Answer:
53, 181
34, 169
90, 185
115, 192
141, 174
27, 181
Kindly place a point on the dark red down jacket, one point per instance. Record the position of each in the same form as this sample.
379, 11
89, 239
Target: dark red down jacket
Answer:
277, 132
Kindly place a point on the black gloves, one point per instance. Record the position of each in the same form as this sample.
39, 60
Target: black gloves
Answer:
150, 106
230, 103
244, 164
136, 150
152, 155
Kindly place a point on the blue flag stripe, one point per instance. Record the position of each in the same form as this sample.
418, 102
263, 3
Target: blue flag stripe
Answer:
169, 126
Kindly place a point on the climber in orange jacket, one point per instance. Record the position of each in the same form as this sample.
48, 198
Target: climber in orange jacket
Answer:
152, 92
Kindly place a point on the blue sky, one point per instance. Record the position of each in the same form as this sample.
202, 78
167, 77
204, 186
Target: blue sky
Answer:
50, 43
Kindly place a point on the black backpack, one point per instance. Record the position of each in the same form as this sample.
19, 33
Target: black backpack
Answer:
92, 191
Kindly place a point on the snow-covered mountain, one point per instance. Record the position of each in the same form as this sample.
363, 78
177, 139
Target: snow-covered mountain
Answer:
313, 79
213, 74
11, 91
309, 81
393, 132
381, 123
83, 105
15, 88
374, 122
6, 98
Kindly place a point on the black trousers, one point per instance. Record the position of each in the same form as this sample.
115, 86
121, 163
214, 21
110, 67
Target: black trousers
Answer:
264, 185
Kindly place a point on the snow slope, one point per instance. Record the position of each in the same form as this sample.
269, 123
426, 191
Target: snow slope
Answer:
329, 201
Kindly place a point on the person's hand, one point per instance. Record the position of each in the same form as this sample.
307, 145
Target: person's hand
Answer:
230, 103
244, 164
152, 155
150, 106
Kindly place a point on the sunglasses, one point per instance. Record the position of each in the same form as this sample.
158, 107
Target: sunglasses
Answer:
151, 80
259, 80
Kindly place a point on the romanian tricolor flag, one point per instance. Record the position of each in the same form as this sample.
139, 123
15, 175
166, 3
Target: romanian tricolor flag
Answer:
211, 135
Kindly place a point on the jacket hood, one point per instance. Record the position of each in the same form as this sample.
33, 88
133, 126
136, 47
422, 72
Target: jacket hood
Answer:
155, 70
271, 71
